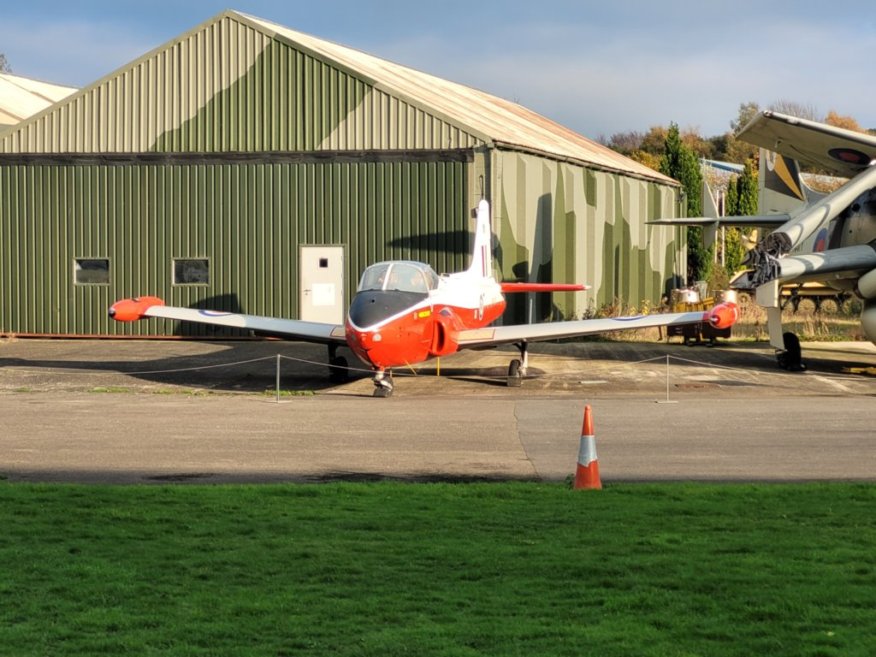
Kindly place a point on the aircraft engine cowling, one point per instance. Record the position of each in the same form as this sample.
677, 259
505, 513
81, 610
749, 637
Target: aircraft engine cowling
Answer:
723, 316
130, 310
443, 343
868, 320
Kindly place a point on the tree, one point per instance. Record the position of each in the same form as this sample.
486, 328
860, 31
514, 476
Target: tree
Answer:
680, 162
792, 108
4, 64
741, 201
654, 141
747, 111
746, 191
839, 121
625, 143
736, 150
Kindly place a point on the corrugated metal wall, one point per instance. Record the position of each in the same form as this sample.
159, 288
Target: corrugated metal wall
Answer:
563, 222
247, 219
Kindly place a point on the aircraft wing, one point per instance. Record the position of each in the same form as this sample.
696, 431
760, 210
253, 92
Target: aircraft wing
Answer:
844, 152
831, 265
721, 316
128, 310
751, 221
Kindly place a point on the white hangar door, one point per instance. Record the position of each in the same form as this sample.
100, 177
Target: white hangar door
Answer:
322, 284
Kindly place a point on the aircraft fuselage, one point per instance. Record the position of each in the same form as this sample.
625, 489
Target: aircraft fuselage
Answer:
417, 316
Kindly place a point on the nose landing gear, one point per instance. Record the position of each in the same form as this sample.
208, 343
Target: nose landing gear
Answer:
383, 383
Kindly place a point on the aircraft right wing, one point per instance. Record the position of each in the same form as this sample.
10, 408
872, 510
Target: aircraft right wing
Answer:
721, 316
130, 310
752, 221
844, 152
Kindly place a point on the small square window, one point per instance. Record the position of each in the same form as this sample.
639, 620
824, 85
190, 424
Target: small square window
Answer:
323, 263
191, 271
91, 271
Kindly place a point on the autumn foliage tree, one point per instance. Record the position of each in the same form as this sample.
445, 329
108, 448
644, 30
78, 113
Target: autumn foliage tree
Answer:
839, 121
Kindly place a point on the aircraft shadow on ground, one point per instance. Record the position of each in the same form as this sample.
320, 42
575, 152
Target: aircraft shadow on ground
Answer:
239, 366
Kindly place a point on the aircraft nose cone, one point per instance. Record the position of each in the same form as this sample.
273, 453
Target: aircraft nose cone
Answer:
374, 306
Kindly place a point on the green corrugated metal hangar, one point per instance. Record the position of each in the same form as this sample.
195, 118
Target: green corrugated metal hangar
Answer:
224, 168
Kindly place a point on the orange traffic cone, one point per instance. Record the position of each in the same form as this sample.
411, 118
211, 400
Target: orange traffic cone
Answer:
587, 473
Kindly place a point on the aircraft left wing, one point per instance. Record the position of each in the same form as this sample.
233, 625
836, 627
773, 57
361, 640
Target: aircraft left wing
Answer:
130, 310
721, 316
830, 265
844, 152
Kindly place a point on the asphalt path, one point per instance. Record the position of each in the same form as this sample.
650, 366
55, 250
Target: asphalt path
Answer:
181, 411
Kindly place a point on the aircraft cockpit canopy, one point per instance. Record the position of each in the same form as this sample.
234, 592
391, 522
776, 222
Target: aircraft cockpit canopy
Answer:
401, 275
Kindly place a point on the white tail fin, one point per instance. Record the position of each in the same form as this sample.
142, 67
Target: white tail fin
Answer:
482, 256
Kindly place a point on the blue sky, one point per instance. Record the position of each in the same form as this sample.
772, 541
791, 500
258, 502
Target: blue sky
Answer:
596, 67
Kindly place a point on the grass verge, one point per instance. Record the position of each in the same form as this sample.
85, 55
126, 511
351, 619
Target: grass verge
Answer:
438, 569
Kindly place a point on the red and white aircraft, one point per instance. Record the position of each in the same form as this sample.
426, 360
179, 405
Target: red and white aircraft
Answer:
404, 313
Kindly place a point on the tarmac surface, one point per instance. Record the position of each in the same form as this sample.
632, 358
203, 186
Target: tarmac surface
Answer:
149, 411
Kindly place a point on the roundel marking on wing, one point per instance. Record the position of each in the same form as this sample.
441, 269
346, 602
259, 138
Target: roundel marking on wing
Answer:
850, 156
820, 241
628, 319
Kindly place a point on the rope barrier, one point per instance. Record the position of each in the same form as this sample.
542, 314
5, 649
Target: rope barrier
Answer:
395, 373
203, 367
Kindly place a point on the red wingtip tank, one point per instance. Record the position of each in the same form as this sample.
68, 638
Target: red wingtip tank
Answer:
722, 316
130, 310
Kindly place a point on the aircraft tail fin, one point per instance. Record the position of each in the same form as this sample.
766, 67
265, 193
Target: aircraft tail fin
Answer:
482, 255
781, 188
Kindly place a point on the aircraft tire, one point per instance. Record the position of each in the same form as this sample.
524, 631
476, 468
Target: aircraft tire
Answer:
382, 392
515, 376
791, 358
338, 372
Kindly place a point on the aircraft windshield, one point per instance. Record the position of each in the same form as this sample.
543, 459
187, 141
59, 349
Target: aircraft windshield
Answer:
402, 276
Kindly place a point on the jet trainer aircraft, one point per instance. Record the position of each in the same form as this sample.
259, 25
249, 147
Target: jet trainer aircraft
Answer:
815, 237
404, 313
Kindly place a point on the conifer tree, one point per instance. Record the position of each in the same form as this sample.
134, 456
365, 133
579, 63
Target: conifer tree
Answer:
741, 201
680, 162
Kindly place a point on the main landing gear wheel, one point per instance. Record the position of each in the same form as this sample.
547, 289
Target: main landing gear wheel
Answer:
383, 384
338, 371
515, 374
517, 368
791, 358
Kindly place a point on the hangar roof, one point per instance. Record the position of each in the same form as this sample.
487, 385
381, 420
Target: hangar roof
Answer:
22, 97
504, 123
216, 88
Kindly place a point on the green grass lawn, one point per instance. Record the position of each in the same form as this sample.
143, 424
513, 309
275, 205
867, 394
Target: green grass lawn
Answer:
438, 569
